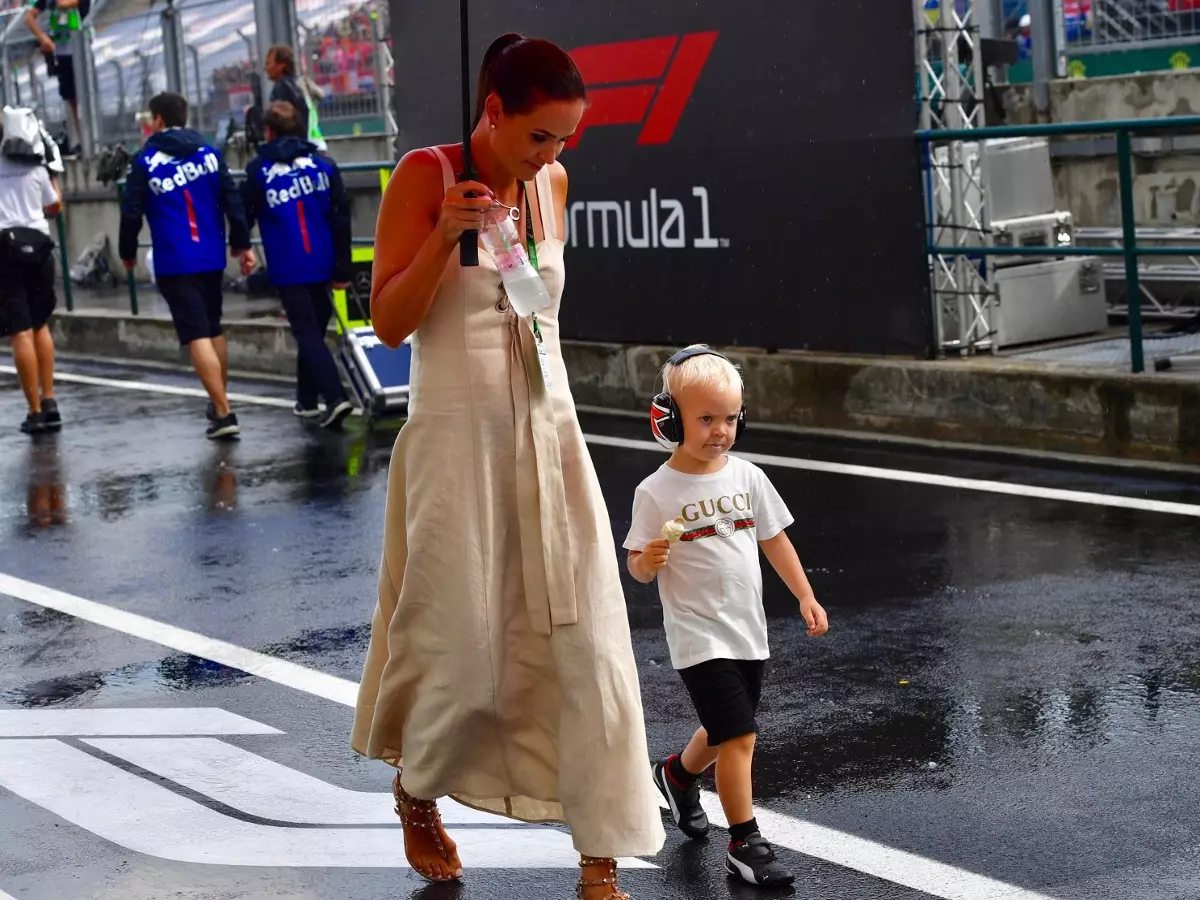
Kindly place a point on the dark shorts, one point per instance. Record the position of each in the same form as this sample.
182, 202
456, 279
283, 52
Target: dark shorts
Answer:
725, 693
27, 298
65, 71
195, 302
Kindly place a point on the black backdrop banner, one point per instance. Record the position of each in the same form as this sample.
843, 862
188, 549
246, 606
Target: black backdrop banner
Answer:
745, 173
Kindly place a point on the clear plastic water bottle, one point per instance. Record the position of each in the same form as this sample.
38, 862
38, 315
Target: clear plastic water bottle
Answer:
526, 292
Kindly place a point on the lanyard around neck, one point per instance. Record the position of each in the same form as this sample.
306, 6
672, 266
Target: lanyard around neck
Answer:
529, 241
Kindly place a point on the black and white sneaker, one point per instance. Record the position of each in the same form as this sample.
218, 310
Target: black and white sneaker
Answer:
35, 423
306, 412
684, 803
210, 412
223, 428
337, 414
753, 861
51, 415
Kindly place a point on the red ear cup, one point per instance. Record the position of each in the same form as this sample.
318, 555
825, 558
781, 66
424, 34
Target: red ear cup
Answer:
664, 421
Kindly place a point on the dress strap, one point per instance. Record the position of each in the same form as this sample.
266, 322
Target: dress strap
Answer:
545, 196
447, 169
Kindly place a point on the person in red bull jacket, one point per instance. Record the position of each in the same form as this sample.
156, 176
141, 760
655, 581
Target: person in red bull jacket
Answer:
181, 186
297, 197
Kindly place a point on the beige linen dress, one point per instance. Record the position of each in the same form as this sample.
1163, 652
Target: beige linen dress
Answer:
500, 668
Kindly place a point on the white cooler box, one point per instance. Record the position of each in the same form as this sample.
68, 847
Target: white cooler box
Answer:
1056, 229
1050, 301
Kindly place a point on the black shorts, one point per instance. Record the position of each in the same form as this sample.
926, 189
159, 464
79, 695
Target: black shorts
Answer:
27, 298
725, 693
65, 72
195, 302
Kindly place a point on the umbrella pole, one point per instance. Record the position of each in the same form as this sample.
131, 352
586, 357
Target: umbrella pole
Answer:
468, 244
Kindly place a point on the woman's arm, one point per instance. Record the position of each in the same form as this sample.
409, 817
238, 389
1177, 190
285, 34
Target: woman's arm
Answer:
558, 182
415, 234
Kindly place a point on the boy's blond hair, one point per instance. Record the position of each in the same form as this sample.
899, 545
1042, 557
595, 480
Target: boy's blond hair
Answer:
708, 370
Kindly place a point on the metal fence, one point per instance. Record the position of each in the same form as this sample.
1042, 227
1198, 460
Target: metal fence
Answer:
346, 52
24, 80
1096, 25
129, 69
221, 64
1129, 249
343, 44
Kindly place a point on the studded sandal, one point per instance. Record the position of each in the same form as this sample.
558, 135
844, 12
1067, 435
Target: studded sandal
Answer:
423, 814
609, 881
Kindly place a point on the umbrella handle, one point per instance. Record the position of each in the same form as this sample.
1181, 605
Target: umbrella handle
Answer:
468, 242
468, 249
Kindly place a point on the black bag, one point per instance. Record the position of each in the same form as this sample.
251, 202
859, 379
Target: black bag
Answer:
22, 246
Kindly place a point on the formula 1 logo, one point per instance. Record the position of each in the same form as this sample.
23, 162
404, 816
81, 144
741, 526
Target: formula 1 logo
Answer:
646, 82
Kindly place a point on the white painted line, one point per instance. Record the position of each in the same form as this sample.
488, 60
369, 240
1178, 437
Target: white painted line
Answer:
784, 462
302, 678
872, 858
145, 817
261, 787
29, 723
935, 878
927, 478
4, 896
152, 388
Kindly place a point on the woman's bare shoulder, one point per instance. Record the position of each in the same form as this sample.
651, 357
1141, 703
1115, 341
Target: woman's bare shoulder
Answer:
558, 178
418, 176
422, 159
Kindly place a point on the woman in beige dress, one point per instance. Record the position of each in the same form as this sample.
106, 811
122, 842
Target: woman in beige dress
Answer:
500, 670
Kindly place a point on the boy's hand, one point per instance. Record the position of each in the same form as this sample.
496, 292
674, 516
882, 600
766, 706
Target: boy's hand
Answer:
814, 615
654, 557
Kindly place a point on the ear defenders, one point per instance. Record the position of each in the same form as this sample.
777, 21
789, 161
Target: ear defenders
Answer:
665, 422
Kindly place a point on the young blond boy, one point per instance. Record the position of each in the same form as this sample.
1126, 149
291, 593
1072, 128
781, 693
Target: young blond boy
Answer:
698, 522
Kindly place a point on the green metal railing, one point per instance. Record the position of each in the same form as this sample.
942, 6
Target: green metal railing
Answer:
383, 167
65, 259
1129, 249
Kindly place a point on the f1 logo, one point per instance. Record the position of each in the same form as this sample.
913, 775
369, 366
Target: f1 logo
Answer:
654, 80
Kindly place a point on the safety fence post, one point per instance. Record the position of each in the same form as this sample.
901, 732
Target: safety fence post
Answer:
1133, 291
66, 260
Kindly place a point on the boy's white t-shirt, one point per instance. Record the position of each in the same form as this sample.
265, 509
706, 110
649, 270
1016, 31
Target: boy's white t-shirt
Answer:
711, 586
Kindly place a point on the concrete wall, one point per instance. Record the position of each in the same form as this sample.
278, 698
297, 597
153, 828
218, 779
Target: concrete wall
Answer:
1166, 169
92, 207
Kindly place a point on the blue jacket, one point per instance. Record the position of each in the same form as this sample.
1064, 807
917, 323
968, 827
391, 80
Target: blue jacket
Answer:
182, 187
296, 195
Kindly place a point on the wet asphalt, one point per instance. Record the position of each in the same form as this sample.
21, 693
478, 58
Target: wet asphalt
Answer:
1010, 686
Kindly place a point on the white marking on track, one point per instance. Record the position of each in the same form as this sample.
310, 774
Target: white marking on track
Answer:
1011, 489
261, 787
150, 387
897, 866
31, 723
145, 817
280, 671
